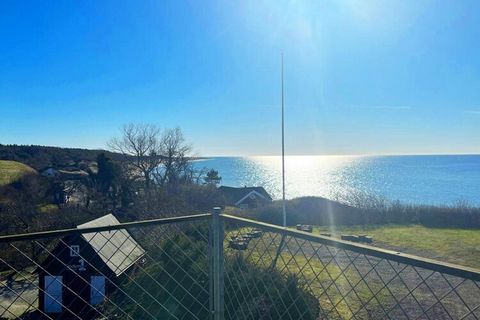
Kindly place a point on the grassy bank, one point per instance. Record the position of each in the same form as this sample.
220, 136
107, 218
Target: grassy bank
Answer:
366, 211
444, 233
11, 171
454, 245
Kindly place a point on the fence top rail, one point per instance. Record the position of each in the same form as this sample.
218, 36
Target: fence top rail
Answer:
125, 225
430, 264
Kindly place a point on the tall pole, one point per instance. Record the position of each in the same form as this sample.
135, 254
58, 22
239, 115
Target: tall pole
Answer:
283, 156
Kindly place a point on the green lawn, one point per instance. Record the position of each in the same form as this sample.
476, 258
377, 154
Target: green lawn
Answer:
454, 245
12, 170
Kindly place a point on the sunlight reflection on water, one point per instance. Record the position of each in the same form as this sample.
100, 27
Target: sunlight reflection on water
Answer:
326, 176
322, 176
416, 179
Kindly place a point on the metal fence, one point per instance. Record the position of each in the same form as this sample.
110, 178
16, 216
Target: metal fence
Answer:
154, 269
222, 267
328, 278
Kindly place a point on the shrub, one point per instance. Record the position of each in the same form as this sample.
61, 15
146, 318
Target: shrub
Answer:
177, 277
366, 210
266, 294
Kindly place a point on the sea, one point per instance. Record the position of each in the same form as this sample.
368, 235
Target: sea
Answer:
412, 179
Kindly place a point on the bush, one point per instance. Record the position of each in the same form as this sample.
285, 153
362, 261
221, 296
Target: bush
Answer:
366, 210
266, 294
177, 278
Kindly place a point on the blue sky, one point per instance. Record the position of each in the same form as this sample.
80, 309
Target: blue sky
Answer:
361, 77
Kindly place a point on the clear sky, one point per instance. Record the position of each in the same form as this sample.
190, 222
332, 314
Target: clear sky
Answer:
361, 77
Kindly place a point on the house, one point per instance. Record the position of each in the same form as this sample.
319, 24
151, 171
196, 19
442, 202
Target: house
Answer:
73, 174
50, 173
70, 173
246, 197
90, 167
81, 271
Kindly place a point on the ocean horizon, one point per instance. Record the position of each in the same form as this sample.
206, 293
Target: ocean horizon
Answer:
433, 179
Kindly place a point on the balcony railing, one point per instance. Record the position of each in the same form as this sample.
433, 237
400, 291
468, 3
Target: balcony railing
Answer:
222, 267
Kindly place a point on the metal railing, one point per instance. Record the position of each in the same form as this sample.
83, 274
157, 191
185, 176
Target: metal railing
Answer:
222, 267
156, 269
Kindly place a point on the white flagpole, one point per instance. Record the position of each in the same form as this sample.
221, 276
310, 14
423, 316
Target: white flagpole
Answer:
283, 156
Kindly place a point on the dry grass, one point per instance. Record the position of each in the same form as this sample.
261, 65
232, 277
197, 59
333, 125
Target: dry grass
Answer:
455, 245
10, 171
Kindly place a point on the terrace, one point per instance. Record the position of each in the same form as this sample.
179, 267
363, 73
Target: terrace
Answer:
193, 267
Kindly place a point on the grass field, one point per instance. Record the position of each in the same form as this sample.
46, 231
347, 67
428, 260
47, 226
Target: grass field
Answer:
318, 272
330, 276
12, 170
454, 245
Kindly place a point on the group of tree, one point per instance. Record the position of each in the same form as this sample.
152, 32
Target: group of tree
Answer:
147, 173
156, 176
40, 157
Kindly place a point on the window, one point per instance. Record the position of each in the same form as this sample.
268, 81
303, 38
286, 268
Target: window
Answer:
53, 294
97, 289
74, 251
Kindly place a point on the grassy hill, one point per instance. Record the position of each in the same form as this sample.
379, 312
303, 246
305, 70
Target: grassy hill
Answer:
321, 211
11, 171
304, 210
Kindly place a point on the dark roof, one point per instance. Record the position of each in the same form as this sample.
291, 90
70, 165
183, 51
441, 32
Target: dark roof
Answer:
232, 194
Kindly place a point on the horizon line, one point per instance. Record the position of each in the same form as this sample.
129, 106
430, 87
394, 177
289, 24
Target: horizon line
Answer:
197, 155
347, 155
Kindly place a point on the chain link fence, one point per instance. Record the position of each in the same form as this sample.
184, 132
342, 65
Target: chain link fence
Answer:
216, 266
148, 270
304, 276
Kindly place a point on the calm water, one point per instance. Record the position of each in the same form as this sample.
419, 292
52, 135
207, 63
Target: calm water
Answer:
413, 179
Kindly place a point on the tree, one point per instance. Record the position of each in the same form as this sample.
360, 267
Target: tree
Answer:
107, 175
153, 155
57, 193
175, 159
141, 144
212, 178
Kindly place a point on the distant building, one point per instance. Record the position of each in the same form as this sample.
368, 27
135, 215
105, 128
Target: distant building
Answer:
82, 269
88, 166
246, 197
73, 174
70, 173
50, 173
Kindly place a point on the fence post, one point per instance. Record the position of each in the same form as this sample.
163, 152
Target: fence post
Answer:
217, 283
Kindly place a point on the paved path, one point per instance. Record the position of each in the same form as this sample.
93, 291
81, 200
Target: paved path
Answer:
20, 297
